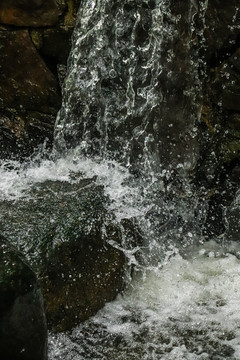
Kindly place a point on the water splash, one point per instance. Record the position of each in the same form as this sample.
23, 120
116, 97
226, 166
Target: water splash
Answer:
131, 107
124, 79
188, 310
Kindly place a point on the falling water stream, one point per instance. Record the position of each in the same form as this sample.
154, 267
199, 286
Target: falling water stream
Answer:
129, 118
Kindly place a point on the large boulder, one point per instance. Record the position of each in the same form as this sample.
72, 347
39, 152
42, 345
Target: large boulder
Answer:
29, 95
25, 82
74, 242
80, 276
23, 331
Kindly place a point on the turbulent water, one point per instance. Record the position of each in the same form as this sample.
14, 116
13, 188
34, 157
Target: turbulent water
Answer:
187, 310
182, 303
129, 118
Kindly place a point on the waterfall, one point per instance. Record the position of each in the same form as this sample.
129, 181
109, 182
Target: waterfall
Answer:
132, 95
129, 121
131, 63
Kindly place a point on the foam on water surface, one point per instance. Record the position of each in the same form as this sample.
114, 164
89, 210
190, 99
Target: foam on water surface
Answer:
186, 306
190, 309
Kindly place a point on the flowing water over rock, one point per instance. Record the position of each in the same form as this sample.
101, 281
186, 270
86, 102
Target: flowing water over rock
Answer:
129, 123
182, 302
132, 63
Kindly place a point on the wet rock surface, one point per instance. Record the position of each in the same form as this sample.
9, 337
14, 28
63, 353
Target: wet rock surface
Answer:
29, 12
217, 169
35, 39
26, 81
72, 242
23, 330
30, 95
222, 29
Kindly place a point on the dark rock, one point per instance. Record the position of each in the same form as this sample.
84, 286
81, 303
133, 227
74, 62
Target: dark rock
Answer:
220, 113
53, 43
23, 332
81, 276
25, 81
224, 88
29, 95
222, 29
232, 220
72, 240
21, 132
29, 12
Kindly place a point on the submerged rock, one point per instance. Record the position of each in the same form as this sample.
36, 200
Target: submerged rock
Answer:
23, 331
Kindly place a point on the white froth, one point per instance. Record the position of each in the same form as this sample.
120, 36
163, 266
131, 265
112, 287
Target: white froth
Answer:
17, 179
197, 294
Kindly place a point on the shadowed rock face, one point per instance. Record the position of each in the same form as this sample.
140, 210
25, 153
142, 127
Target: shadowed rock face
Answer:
35, 40
82, 275
29, 12
25, 82
23, 331
29, 94
222, 29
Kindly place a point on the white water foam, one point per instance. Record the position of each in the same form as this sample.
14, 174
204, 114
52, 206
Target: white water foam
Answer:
187, 308
190, 309
17, 179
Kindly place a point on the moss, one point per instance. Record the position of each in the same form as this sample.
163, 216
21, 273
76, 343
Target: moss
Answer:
36, 37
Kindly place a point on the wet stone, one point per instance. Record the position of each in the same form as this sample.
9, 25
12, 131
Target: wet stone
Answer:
23, 331
221, 30
69, 239
25, 81
29, 12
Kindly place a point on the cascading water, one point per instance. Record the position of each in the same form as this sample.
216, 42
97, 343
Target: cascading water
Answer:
126, 72
129, 117
125, 76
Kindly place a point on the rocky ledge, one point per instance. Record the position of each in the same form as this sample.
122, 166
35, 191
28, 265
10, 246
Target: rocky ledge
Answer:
35, 40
